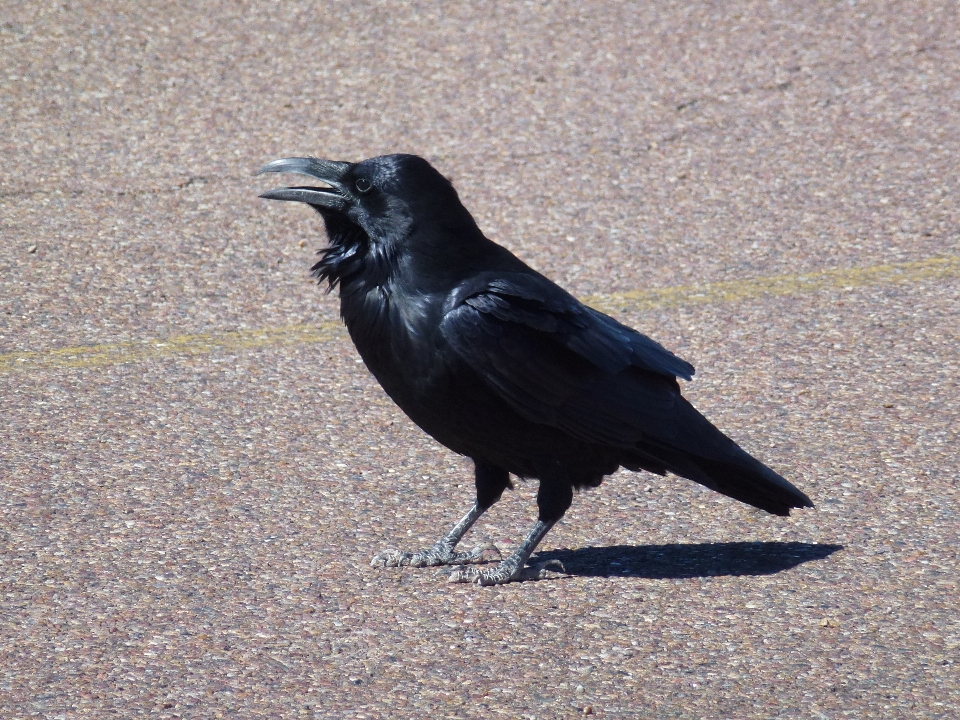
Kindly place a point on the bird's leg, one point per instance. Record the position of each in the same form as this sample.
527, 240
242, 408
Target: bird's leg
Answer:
442, 552
491, 481
553, 500
514, 567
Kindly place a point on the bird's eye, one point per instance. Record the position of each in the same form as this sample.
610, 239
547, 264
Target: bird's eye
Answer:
363, 185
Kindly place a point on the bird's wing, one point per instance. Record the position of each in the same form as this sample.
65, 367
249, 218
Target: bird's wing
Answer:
558, 362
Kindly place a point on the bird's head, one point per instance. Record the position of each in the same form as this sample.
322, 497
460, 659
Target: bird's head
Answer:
388, 206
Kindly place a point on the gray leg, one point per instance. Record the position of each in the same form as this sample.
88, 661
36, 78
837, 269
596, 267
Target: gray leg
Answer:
442, 552
513, 568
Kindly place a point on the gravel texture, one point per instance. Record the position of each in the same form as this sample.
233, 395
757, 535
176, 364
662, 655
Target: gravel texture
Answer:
188, 533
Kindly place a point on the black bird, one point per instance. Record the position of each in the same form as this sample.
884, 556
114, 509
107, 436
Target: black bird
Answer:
500, 364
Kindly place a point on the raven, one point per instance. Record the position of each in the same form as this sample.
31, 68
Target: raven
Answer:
498, 363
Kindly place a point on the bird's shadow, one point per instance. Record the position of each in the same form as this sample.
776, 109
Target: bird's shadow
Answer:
687, 560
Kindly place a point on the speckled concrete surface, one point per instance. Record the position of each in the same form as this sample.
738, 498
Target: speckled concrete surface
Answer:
189, 536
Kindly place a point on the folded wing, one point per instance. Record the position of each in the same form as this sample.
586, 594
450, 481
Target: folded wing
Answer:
560, 363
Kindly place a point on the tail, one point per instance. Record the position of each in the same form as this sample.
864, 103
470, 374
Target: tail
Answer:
700, 452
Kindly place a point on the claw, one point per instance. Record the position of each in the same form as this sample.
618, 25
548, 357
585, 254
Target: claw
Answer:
477, 554
543, 570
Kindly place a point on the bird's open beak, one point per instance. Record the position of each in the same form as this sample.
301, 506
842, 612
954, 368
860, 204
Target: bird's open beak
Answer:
327, 171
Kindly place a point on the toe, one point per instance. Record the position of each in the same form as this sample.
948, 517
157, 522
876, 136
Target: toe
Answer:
544, 570
462, 573
380, 559
388, 558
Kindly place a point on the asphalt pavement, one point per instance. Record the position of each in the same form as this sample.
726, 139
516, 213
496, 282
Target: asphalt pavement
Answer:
196, 468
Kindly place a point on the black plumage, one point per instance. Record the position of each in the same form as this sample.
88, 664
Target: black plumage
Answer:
500, 364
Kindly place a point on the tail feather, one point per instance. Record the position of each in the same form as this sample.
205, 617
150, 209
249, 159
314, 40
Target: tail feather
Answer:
705, 455
760, 487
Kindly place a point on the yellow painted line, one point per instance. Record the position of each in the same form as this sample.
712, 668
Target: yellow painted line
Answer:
780, 285
86, 356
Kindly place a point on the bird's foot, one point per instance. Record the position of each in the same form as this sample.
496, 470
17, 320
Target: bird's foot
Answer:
508, 571
439, 554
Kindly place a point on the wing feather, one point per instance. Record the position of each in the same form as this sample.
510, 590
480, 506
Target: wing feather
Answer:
556, 361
